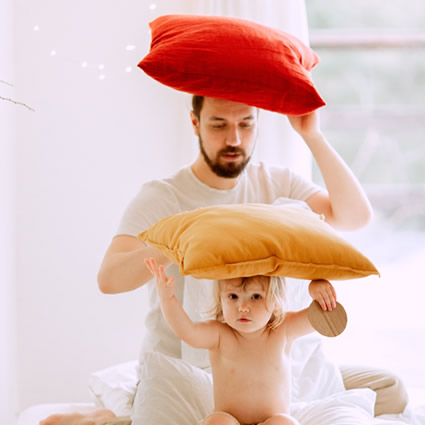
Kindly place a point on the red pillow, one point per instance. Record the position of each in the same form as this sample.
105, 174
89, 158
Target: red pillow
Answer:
234, 59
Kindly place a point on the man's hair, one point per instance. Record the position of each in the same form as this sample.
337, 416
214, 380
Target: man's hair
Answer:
197, 102
275, 293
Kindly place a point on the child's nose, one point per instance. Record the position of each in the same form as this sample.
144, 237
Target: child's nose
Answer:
243, 306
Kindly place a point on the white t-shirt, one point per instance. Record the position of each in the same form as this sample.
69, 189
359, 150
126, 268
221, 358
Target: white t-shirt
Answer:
183, 191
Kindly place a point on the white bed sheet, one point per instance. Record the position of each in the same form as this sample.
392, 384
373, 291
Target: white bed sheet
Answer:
413, 415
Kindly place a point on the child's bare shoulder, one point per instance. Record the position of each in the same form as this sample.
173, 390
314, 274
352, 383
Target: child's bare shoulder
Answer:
216, 325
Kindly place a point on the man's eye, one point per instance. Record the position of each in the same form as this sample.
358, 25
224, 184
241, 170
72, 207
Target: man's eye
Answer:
218, 126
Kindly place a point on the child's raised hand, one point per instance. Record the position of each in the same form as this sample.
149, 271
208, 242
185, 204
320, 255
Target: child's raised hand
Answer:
164, 284
324, 293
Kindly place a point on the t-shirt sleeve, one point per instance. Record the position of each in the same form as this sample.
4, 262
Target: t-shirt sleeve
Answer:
153, 202
284, 182
301, 188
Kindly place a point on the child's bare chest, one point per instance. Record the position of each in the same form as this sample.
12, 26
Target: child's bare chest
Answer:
266, 357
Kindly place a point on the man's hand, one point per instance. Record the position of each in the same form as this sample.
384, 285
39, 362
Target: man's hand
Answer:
324, 293
164, 284
306, 125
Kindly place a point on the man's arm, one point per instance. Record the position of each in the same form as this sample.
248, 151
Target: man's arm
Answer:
345, 205
123, 268
196, 334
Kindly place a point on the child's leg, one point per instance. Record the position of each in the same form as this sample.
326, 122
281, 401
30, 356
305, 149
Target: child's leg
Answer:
281, 419
220, 418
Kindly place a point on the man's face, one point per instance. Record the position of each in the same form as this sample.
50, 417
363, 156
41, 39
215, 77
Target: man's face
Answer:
227, 132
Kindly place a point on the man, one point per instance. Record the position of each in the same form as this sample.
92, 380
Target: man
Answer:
223, 174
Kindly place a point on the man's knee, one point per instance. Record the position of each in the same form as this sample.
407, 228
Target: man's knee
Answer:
391, 397
391, 393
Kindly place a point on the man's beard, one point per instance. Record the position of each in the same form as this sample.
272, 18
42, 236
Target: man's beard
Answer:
229, 170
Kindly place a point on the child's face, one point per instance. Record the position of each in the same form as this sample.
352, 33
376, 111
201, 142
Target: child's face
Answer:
245, 307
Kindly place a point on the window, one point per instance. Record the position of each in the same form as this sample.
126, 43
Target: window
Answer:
372, 76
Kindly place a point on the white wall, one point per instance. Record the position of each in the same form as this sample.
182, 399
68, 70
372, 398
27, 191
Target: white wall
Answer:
81, 156
8, 400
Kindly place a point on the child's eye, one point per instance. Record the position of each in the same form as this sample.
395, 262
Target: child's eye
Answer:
233, 296
257, 296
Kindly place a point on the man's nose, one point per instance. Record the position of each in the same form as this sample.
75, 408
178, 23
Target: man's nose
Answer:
233, 137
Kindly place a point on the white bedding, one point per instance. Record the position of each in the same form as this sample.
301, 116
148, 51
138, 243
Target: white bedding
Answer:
412, 415
172, 383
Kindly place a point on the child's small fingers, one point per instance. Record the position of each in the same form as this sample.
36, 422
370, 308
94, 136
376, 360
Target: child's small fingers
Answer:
322, 303
161, 272
148, 265
327, 302
164, 276
332, 297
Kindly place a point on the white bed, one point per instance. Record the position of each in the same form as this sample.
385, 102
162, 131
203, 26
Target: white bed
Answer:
171, 386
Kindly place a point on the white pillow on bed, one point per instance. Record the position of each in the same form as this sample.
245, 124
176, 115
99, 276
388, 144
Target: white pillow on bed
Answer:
114, 387
313, 375
172, 392
351, 407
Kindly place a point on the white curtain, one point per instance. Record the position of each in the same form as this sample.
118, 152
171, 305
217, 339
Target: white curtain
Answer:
7, 221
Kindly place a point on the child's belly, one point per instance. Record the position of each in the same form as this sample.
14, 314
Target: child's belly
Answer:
253, 395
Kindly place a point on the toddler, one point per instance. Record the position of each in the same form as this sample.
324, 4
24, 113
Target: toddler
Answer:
249, 344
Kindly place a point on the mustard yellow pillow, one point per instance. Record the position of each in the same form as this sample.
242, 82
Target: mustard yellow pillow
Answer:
239, 240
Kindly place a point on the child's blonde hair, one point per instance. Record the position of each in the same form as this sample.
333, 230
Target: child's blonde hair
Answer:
275, 294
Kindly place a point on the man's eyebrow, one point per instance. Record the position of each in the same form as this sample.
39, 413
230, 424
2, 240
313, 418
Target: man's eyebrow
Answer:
216, 119
247, 118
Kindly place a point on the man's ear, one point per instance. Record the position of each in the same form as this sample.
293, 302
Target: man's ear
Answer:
195, 123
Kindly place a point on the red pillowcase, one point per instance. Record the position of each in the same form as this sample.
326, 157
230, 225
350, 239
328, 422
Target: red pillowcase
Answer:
234, 59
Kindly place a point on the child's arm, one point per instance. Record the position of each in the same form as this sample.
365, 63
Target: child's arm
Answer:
196, 334
298, 323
